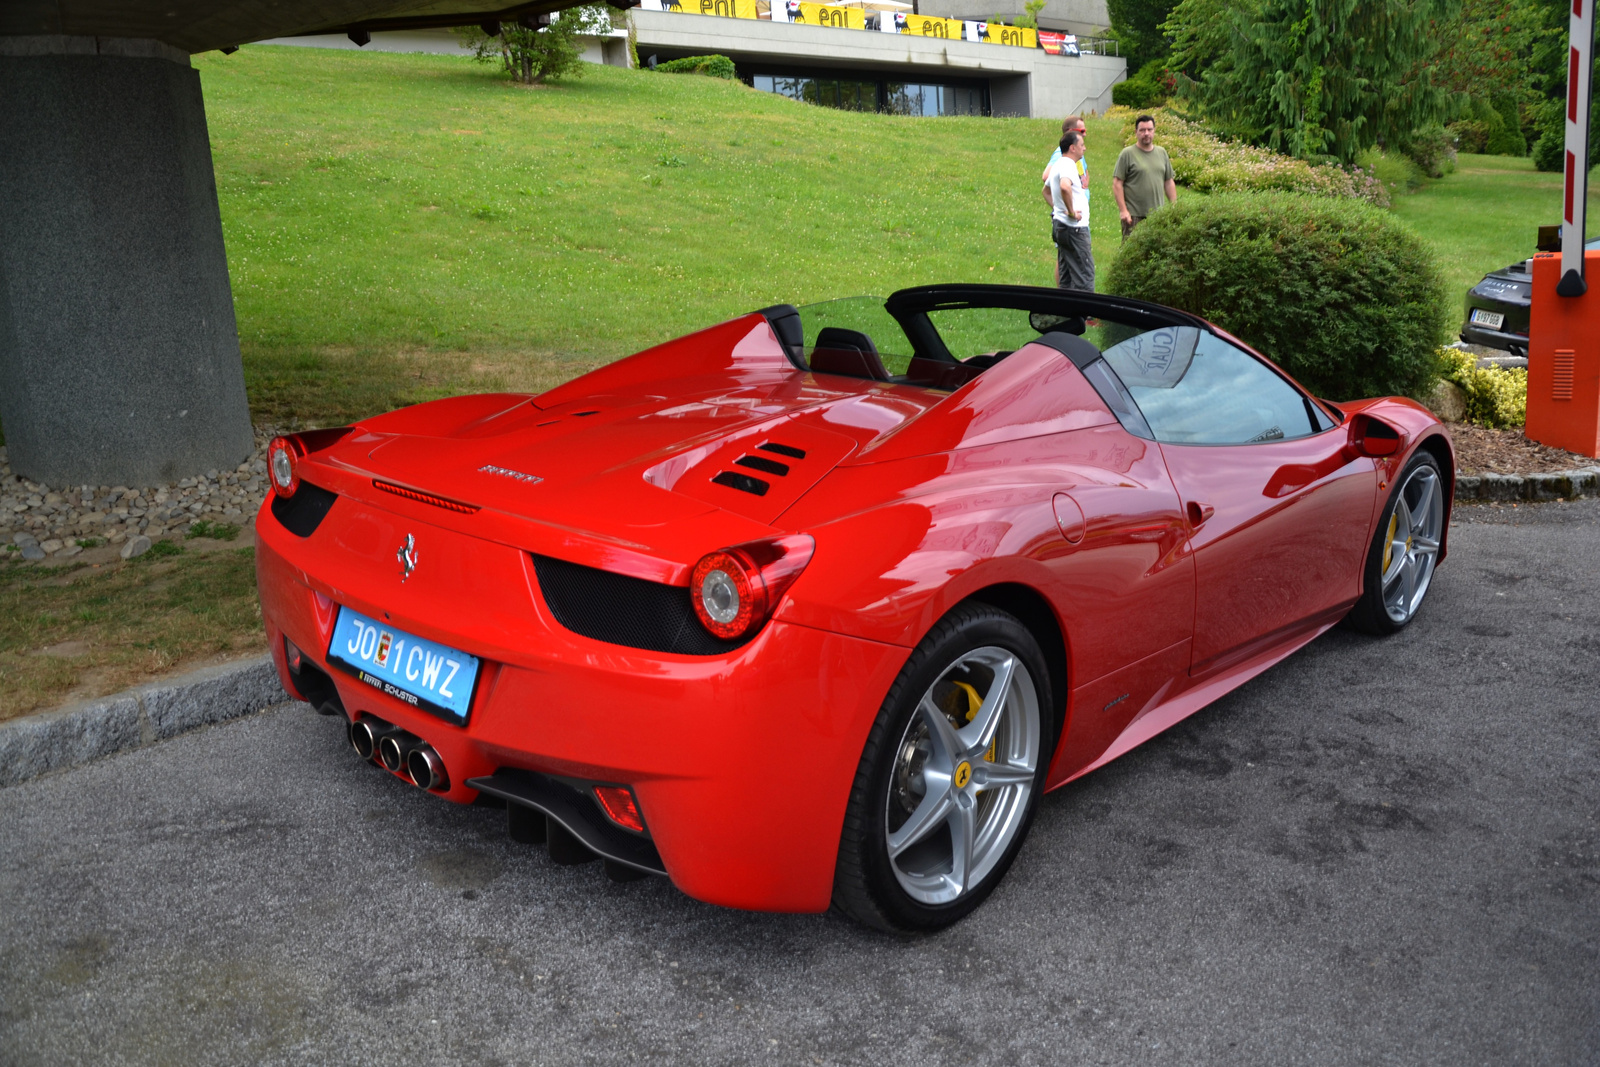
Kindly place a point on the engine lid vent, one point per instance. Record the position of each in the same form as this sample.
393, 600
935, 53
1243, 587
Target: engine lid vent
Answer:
783, 450
764, 465
743, 482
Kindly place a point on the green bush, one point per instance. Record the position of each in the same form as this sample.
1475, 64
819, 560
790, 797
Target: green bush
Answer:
1395, 171
1148, 88
711, 66
1341, 296
1208, 164
1497, 397
1432, 149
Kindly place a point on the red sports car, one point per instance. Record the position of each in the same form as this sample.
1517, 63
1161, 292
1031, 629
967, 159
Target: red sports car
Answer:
810, 607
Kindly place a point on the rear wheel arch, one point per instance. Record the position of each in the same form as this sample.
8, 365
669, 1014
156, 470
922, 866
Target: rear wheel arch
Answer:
1033, 610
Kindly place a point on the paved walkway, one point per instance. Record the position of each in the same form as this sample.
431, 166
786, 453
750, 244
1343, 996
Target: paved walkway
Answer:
1378, 852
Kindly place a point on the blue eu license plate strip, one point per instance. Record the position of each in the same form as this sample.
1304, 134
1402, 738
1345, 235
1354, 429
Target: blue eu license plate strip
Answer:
419, 672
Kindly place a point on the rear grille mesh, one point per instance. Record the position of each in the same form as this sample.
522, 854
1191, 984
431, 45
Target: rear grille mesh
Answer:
622, 610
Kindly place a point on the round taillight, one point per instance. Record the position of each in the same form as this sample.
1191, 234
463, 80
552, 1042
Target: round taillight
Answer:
729, 596
282, 468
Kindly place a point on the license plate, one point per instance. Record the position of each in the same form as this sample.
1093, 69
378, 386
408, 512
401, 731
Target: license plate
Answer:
1491, 319
421, 673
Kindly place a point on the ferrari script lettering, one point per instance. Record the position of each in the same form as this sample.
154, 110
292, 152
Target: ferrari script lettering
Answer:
507, 472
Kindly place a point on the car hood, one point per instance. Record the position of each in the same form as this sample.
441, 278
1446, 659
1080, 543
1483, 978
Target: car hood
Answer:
666, 477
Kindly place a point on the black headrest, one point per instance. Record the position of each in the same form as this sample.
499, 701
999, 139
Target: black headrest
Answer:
838, 337
847, 352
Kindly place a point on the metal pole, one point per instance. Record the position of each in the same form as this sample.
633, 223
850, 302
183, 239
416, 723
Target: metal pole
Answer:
1580, 65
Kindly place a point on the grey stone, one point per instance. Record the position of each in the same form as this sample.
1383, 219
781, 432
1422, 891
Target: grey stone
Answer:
68, 550
31, 550
1448, 402
215, 694
136, 546
22, 537
119, 356
55, 740
36, 744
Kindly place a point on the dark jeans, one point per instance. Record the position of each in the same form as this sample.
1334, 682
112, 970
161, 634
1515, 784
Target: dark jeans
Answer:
1127, 227
1074, 257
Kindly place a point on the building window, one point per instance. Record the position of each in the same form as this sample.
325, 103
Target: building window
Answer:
895, 98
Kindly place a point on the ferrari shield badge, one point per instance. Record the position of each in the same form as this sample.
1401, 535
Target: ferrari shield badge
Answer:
407, 555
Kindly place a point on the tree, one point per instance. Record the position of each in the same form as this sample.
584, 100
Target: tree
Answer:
1031, 17
1137, 25
1317, 79
1547, 80
547, 53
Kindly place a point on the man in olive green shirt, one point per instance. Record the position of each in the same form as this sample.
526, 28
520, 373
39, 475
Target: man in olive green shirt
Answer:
1142, 177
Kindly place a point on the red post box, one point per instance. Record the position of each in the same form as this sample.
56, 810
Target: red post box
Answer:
1564, 360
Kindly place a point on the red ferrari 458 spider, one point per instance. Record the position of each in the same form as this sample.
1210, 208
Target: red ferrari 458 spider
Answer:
812, 606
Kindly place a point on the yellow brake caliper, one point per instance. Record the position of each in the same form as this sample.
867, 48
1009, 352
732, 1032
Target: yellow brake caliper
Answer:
1388, 545
974, 702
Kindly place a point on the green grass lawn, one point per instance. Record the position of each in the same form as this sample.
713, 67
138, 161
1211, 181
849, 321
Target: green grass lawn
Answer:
1486, 215
401, 227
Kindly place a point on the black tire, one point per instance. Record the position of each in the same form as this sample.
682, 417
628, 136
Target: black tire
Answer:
1369, 615
865, 886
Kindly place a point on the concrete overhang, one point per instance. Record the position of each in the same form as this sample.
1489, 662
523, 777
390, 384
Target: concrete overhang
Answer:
202, 25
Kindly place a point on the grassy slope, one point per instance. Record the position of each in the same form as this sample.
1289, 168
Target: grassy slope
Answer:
85, 630
399, 227
1486, 215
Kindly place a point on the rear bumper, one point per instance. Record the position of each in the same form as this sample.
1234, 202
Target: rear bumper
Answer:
1510, 342
742, 763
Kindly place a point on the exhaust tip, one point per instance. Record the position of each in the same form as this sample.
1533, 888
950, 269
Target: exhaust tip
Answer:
362, 740
390, 754
427, 769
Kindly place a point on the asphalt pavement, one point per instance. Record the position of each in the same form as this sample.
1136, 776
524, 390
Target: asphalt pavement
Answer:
1381, 851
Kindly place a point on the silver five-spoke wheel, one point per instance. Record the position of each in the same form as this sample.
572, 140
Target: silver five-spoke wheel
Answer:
1411, 543
963, 775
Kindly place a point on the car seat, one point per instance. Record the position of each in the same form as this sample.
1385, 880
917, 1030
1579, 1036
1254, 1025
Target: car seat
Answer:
850, 353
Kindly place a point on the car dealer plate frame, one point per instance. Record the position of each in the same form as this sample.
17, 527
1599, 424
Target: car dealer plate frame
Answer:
393, 655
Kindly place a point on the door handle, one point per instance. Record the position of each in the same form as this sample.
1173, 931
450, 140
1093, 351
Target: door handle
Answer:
1199, 513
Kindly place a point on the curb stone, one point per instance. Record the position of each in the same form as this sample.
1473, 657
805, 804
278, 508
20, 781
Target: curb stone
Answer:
1570, 485
55, 740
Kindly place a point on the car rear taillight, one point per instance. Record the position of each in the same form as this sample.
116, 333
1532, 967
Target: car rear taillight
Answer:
284, 454
620, 807
735, 590
281, 466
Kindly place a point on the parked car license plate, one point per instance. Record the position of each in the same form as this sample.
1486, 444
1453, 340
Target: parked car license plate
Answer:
1491, 319
421, 673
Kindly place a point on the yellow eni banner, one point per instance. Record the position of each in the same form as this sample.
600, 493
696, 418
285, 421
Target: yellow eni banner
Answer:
929, 26
1020, 36
844, 18
728, 9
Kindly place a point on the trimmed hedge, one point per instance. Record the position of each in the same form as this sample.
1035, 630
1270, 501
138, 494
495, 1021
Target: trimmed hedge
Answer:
1342, 297
711, 66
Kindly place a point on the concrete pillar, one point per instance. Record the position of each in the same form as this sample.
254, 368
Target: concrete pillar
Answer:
119, 356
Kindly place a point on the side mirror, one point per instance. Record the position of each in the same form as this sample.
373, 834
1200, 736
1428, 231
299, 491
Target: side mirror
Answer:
1374, 437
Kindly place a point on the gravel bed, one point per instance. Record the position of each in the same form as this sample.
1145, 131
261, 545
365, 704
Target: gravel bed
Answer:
39, 521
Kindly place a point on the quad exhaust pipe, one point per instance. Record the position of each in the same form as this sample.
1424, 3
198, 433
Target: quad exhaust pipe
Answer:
399, 752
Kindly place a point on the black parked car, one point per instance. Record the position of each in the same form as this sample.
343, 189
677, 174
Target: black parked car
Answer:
1497, 307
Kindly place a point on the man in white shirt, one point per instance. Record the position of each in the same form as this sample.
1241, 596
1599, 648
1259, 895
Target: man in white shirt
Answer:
1070, 124
1069, 218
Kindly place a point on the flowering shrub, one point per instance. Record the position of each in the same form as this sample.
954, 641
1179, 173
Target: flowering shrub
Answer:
1497, 397
1206, 164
